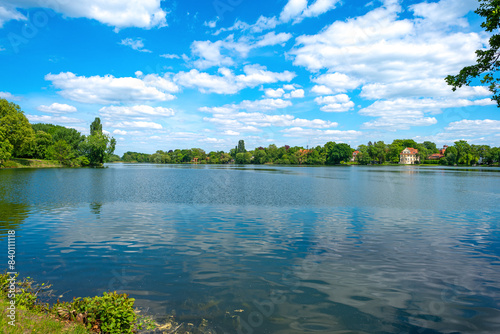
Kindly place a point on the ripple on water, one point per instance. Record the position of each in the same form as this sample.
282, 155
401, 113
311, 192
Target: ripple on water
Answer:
319, 260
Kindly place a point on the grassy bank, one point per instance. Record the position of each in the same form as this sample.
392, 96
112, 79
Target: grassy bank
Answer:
31, 163
31, 321
109, 313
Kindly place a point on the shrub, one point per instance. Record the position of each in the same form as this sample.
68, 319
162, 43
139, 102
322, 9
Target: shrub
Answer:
111, 313
9, 164
26, 290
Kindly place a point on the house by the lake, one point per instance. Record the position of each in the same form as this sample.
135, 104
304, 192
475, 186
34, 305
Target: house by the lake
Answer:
354, 154
409, 156
437, 156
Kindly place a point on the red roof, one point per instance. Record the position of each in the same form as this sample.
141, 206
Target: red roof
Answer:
412, 150
355, 152
435, 156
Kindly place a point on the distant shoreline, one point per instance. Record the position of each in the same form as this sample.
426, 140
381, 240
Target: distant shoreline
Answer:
21, 163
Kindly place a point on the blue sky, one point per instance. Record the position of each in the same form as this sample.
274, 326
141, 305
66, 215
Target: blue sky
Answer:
183, 74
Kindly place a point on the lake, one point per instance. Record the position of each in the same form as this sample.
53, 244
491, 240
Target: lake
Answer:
268, 249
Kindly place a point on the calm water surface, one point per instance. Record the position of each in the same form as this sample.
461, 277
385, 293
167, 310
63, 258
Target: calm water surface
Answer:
269, 249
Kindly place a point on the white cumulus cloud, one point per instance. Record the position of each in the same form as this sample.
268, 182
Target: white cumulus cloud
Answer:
479, 127
207, 54
380, 47
136, 44
57, 108
336, 82
322, 136
120, 14
403, 113
229, 83
53, 119
335, 103
274, 93
8, 96
114, 112
109, 89
8, 13
137, 124
170, 56
119, 132
297, 10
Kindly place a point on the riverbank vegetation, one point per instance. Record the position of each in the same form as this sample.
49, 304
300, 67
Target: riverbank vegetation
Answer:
64, 146
461, 153
45, 145
109, 313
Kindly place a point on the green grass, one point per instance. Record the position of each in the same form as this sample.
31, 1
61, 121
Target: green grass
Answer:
31, 321
111, 313
31, 163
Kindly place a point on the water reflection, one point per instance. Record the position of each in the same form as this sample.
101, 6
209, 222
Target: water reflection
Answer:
320, 270
13, 210
12, 215
95, 208
317, 250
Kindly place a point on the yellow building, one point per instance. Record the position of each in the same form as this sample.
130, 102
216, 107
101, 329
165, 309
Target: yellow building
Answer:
409, 156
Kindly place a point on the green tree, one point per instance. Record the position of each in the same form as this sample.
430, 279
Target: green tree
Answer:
409, 143
94, 148
110, 148
14, 128
241, 146
224, 158
135, 157
480, 151
71, 136
61, 151
187, 155
463, 152
96, 126
363, 157
431, 147
423, 152
199, 153
243, 158
272, 153
260, 156
394, 150
451, 156
294, 160
494, 155
335, 153
98, 147
56, 132
42, 142
487, 62
114, 158
6, 149
316, 157
378, 151
281, 152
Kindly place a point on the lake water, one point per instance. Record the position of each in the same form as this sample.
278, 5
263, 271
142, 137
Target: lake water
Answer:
268, 249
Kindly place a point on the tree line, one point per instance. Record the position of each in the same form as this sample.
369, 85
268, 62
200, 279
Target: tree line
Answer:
461, 153
331, 153
20, 139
